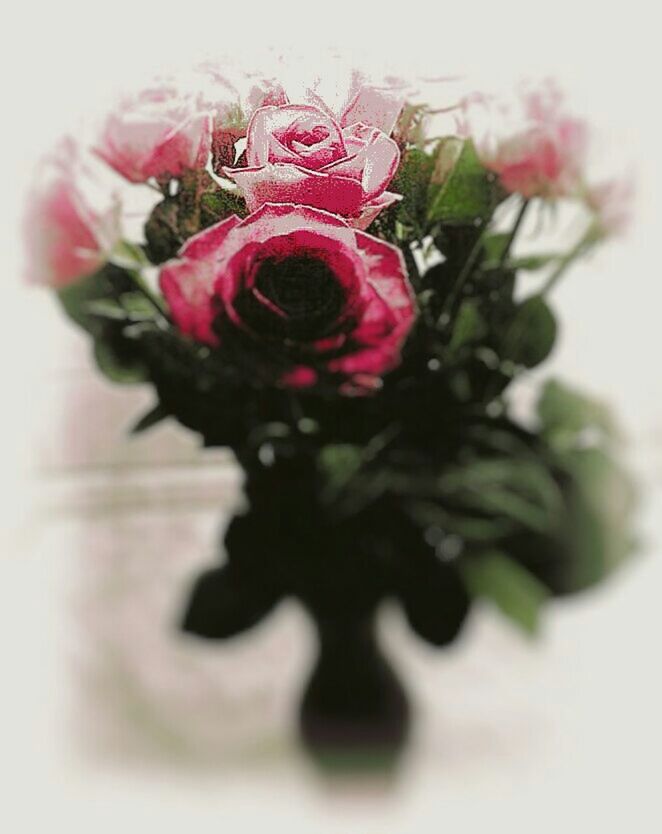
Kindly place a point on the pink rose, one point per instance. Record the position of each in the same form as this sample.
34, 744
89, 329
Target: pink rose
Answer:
302, 153
161, 132
65, 239
536, 150
311, 297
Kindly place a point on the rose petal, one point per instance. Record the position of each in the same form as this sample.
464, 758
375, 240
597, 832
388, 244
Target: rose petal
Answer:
205, 243
292, 184
371, 210
374, 106
188, 283
299, 377
387, 273
185, 148
374, 161
273, 132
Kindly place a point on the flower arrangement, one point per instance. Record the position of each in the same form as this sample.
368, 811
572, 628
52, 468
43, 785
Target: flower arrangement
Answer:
338, 297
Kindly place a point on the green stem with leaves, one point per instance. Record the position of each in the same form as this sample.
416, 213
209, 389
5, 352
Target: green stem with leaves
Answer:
464, 273
582, 246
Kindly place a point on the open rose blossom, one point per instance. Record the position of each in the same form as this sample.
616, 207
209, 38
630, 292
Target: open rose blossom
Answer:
302, 153
161, 132
66, 239
324, 299
536, 149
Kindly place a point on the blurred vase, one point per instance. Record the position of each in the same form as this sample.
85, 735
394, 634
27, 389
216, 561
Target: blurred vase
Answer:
354, 704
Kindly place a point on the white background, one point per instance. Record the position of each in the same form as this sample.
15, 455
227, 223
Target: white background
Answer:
107, 718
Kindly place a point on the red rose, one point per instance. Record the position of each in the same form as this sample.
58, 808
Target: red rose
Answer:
323, 300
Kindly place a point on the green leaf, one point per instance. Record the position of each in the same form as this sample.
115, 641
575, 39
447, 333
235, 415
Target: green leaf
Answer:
107, 284
531, 263
130, 307
468, 193
494, 246
469, 326
138, 307
515, 592
129, 255
106, 308
471, 528
339, 463
412, 181
531, 334
120, 360
596, 535
522, 491
565, 413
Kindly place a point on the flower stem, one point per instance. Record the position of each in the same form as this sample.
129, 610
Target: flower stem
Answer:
142, 287
582, 246
464, 274
513, 233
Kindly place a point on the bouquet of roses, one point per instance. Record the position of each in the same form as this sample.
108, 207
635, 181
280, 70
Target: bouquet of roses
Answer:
337, 295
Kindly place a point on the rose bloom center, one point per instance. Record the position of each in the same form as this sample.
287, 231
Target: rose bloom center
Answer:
298, 297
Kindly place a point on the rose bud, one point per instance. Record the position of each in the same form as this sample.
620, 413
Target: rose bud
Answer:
162, 132
536, 150
300, 153
611, 202
310, 297
65, 238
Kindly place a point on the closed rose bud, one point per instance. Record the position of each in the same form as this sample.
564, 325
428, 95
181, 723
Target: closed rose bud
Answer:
535, 148
160, 133
65, 238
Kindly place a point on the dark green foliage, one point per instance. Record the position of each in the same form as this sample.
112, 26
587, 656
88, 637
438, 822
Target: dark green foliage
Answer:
199, 202
104, 304
513, 589
425, 491
530, 335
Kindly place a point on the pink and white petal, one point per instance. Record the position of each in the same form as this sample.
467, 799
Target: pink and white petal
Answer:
374, 106
283, 218
60, 238
387, 273
377, 323
269, 123
382, 160
188, 288
282, 183
128, 141
371, 210
375, 161
205, 244
266, 94
184, 148
257, 137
